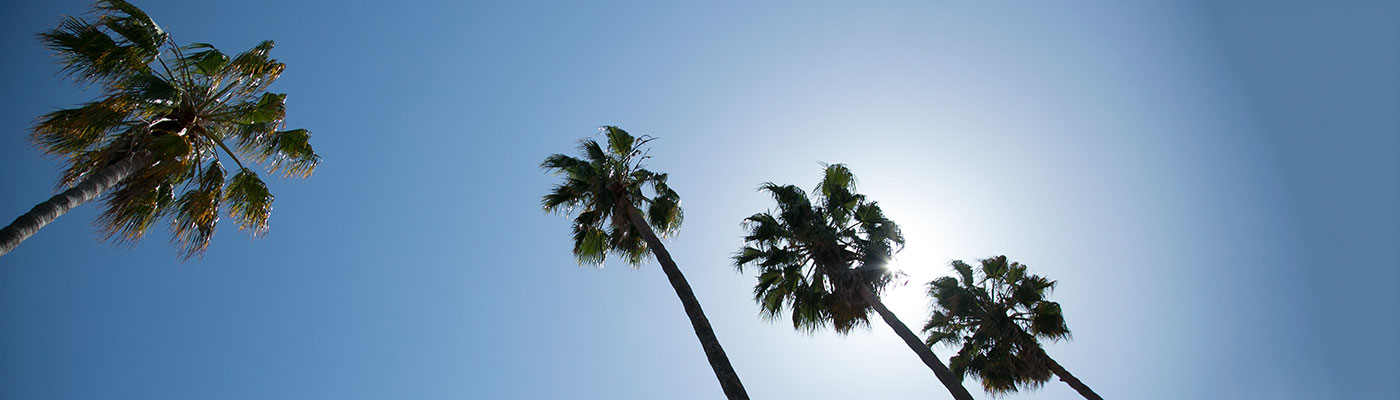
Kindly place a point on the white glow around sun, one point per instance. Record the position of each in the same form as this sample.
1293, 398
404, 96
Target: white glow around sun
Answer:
922, 260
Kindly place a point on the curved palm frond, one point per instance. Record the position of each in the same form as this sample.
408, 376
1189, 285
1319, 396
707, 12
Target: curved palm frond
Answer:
122, 42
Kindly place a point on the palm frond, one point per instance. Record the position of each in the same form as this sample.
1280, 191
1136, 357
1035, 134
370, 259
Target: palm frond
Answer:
665, 215
146, 92
590, 244
67, 131
135, 207
628, 244
122, 41
253, 70
289, 153
594, 152
87, 54
197, 212
204, 59
559, 163
620, 143
250, 203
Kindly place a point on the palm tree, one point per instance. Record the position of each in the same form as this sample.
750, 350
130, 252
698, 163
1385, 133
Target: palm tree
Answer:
605, 189
156, 139
827, 263
997, 314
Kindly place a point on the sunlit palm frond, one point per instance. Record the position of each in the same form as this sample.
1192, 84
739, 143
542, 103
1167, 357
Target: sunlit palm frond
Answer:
123, 41
197, 212
250, 203
73, 130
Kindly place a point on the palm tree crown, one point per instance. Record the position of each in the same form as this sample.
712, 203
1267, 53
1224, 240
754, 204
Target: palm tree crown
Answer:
813, 256
596, 186
997, 311
826, 262
181, 110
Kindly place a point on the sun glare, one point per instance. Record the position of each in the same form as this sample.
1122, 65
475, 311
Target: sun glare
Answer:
919, 262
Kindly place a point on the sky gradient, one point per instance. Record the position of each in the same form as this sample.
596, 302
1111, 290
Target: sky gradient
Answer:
1214, 185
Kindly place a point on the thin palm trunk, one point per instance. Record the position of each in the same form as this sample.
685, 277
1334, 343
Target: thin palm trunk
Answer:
944, 375
44, 213
1073, 382
728, 379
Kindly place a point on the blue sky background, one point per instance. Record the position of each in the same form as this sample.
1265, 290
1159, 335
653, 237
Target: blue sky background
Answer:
1214, 184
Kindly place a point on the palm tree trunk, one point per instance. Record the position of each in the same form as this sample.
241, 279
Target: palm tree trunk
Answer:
1070, 379
953, 383
44, 213
728, 379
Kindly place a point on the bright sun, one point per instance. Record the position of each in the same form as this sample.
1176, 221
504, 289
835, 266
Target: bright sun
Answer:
919, 265
926, 253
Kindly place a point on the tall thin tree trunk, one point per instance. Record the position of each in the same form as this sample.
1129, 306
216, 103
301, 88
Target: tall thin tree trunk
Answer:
953, 383
44, 213
1073, 382
728, 379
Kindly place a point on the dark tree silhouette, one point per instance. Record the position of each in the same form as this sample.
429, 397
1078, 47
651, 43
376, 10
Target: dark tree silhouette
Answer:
824, 261
997, 311
605, 190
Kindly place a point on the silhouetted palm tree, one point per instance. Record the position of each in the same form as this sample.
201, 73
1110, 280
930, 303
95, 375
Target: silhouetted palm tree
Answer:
826, 263
997, 312
156, 139
605, 189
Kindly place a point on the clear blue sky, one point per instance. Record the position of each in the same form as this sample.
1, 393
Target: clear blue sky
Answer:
1214, 184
